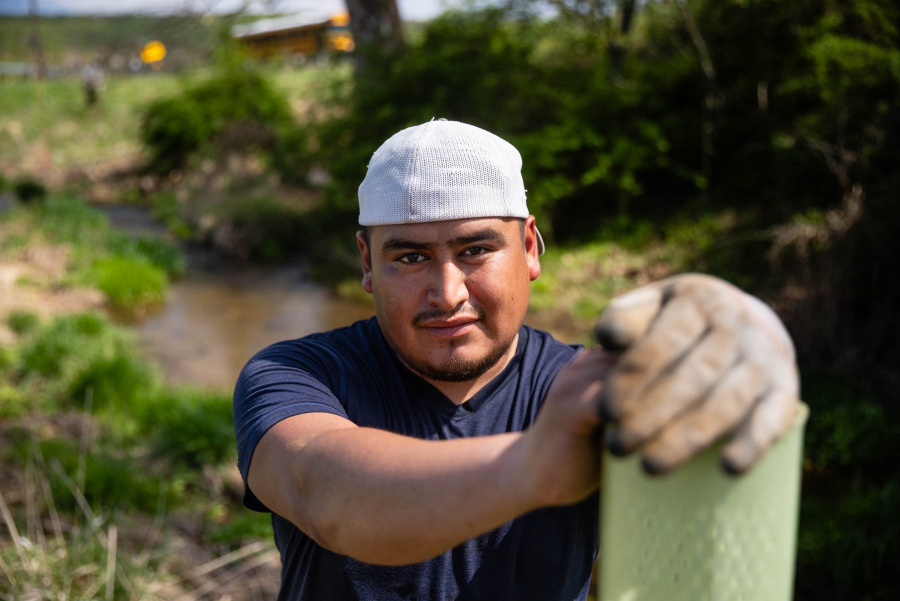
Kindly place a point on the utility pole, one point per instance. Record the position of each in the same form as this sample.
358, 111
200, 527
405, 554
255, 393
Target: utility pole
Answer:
37, 46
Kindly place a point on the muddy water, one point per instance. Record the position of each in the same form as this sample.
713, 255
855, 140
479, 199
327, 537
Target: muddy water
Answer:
214, 321
222, 311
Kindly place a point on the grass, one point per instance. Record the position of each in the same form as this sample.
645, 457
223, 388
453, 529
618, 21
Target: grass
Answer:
129, 282
22, 322
190, 427
132, 272
48, 122
62, 547
107, 450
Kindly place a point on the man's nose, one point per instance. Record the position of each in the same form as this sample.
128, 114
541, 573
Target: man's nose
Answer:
448, 288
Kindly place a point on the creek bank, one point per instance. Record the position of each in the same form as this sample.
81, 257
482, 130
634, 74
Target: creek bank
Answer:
224, 310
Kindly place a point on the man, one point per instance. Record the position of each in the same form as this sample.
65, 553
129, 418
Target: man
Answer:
442, 450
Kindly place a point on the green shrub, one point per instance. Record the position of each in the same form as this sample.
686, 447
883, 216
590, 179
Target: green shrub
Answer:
77, 355
191, 428
8, 359
53, 349
849, 526
291, 156
114, 375
269, 229
157, 251
240, 94
29, 190
21, 322
111, 481
69, 220
14, 401
129, 283
172, 129
167, 257
237, 106
241, 526
850, 543
167, 209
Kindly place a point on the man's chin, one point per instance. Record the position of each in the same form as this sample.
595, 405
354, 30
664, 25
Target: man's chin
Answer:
456, 365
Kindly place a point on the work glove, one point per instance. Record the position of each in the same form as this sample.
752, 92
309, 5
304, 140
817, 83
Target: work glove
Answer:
701, 360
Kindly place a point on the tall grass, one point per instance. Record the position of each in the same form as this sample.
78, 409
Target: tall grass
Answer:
107, 458
53, 553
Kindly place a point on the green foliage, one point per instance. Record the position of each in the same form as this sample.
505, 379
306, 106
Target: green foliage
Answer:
22, 322
236, 108
29, 190
131, 271
13, 401
160, 253
291, 156
191, 428
267, 229
173, 129
80, 355
167, 209
243, 525
849, 526
7, 359
847, 430
53, 348
113, 376
129, 283
69, 220
110, 480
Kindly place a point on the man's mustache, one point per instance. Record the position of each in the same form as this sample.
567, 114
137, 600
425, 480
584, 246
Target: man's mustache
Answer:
472, 311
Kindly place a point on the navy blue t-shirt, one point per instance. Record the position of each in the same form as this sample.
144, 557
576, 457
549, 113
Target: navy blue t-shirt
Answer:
352, 372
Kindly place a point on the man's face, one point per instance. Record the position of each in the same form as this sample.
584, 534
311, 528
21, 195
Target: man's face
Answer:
450, 296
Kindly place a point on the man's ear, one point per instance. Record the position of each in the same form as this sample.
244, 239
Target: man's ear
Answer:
366, 261
532, 257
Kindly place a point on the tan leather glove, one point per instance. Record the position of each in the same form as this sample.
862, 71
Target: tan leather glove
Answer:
702, 360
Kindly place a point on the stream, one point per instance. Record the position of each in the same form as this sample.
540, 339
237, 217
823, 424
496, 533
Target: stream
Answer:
223, 311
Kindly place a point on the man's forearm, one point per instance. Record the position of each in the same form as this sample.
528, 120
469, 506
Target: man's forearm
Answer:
389, 499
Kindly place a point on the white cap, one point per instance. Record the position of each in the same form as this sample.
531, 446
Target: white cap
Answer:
443, 170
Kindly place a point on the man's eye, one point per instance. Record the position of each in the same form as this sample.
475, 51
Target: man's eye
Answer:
474, 251
412, 258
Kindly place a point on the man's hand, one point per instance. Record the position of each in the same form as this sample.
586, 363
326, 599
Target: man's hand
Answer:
702, 359
562, 448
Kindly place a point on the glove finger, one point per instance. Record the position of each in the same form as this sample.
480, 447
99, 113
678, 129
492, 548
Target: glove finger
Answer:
627, 317
720, 412
772, 417
674, 392
677, 328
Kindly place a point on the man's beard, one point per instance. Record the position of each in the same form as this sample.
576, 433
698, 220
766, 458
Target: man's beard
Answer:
456, 368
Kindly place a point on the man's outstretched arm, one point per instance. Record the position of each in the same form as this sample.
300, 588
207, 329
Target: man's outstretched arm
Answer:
389, 499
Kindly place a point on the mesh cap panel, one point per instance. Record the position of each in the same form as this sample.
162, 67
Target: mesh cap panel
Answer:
442, 170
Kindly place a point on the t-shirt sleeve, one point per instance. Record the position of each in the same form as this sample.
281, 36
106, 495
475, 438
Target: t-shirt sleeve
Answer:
283, 380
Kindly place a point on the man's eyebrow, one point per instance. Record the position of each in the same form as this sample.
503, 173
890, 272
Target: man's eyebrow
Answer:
392, 244
485, 235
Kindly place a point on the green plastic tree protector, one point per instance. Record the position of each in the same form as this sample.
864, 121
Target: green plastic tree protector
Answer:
699, 534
